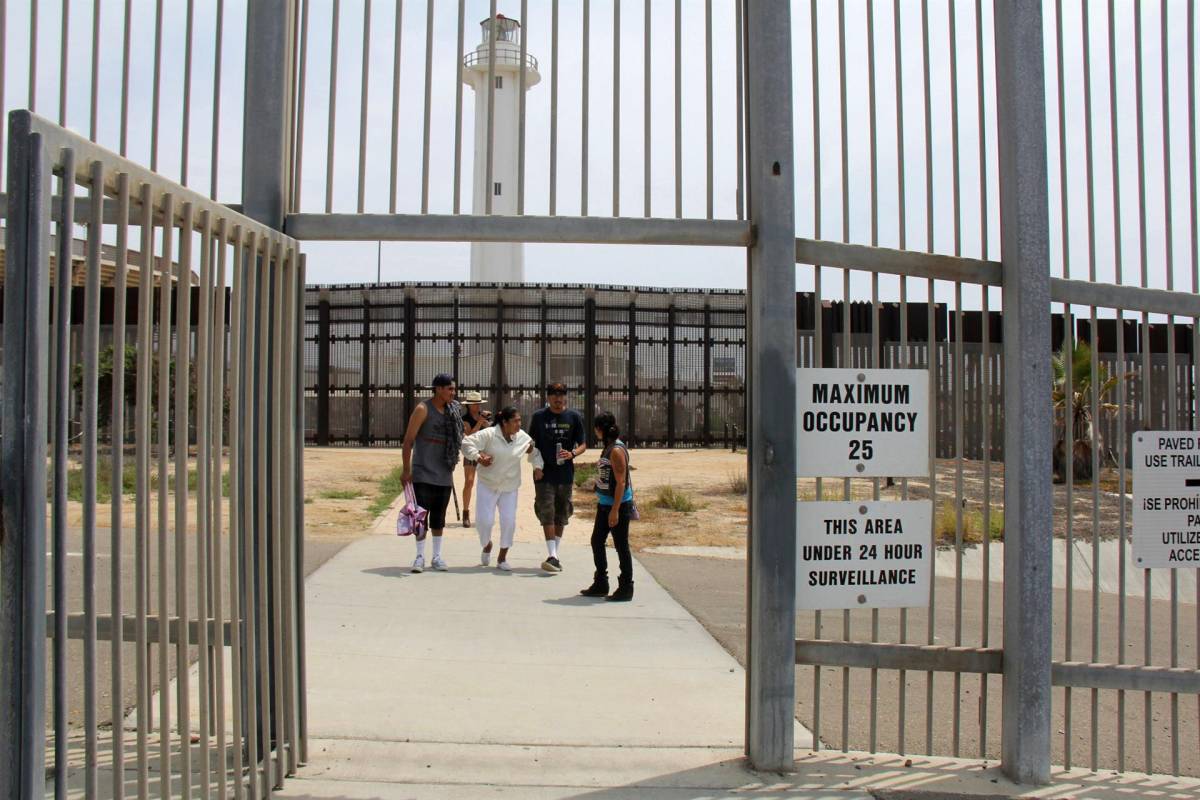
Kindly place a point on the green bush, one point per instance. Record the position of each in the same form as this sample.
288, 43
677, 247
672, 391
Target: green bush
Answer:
583, 474
673, 499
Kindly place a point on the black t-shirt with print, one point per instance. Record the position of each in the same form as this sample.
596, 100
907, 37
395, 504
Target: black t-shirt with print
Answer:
549, 430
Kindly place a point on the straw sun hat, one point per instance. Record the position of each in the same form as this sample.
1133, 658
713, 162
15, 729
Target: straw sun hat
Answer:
472, 397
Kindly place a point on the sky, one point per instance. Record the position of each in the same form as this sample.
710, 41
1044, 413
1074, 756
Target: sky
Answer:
843, 215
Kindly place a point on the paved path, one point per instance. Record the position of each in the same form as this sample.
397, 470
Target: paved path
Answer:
479, 675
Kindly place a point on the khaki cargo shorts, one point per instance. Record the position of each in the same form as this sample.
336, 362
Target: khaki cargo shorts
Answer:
552, 503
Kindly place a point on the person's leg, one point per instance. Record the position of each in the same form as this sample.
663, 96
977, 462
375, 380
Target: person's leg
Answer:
485, 518
426, 497
437, 523
546, 506
507, 506
599, 587
620, 536
468, 485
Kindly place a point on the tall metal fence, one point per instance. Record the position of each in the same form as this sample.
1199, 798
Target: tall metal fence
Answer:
860, 151
670, 363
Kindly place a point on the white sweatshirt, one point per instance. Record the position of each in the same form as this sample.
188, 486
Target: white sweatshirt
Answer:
504, 474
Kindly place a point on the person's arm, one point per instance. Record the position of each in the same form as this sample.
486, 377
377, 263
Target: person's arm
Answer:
580, 446
535, 458
619, 462
410, 435
472, 444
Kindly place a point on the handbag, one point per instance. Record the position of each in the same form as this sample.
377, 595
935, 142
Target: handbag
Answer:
634, 516
412, 520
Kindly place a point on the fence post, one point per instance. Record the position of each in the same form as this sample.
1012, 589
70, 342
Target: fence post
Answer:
323, 368
543, 355
1024, 210
364, 435
266, 142
456, 344
410, 354
24, 425
671, 373
631, 370
707, 388
499, 378
771, 318
589, 361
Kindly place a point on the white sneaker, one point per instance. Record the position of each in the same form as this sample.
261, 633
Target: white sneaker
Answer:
418, 564
439, 564
485, 558
503, 565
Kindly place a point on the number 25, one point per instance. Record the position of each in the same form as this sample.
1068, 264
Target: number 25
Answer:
861, 449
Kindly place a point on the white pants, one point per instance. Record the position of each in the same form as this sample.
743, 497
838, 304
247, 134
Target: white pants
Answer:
487, 502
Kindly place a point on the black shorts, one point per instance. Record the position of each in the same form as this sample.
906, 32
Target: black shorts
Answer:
434, 499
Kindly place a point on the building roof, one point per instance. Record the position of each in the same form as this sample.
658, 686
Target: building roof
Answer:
108, 264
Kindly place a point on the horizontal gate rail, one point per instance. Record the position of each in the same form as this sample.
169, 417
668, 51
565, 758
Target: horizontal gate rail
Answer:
990, 660
874, 655
934, 266
104, 629
559, 230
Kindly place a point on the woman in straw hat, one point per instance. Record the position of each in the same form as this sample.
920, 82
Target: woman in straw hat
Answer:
474, 420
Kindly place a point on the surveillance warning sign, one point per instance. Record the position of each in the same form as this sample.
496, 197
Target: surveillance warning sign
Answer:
862, 423
1166, 499
873, 554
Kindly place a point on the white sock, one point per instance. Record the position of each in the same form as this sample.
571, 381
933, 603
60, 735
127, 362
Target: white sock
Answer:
552, 547
557, 543
420, 548
437, 547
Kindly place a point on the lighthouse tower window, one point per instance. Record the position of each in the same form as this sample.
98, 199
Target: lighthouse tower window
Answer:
499, 82
496, 189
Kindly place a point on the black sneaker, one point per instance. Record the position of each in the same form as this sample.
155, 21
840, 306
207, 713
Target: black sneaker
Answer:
552, 564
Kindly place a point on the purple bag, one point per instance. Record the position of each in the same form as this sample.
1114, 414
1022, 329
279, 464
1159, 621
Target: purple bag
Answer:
412, 519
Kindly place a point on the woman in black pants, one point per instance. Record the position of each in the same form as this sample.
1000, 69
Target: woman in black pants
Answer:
614, 496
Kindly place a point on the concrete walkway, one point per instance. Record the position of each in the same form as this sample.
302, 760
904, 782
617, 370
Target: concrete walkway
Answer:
505, 681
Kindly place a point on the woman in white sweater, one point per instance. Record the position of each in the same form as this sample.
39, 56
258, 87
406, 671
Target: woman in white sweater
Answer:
499, 451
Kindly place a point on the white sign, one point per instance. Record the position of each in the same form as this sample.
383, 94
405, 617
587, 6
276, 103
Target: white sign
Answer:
862, 423
1166, 499
863, 554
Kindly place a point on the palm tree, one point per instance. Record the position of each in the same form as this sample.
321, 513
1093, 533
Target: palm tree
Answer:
1083, 416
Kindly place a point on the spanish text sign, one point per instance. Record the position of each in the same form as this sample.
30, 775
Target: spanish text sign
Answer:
863, 554
1166, 498
862, 423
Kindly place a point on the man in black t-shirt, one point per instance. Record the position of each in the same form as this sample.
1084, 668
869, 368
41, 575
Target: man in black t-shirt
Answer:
558, 432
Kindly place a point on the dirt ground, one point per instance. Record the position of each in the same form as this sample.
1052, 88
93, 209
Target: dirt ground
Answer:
715, 480
342, 483
339, 486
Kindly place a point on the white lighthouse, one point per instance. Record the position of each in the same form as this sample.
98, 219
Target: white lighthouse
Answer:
498, 261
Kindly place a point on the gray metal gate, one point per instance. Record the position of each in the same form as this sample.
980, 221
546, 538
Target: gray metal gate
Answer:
202, 554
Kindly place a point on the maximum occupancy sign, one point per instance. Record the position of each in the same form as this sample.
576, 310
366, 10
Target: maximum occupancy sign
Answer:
862, 423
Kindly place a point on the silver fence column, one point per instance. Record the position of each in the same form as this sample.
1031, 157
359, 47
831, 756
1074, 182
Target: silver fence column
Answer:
266, 144
1025, 254
771, 317
23, 422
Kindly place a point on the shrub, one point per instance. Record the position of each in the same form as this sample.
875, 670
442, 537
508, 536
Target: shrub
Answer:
583, 474
673, 499
737, 482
